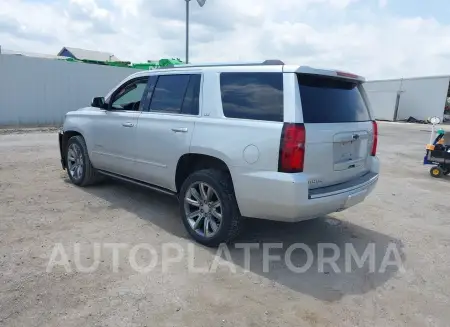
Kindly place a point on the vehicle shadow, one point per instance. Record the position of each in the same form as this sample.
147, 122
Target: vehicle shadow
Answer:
156, 208
327, 284
325, 237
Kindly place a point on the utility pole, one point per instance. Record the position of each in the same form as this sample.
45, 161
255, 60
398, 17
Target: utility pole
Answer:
201, 3
187, 31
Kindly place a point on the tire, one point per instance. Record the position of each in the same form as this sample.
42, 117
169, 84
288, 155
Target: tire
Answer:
231, 222
436, 172
87, 174
446, 172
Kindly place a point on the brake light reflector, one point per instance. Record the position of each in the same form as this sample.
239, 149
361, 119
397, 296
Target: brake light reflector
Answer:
292, 148
375, 138
345, 74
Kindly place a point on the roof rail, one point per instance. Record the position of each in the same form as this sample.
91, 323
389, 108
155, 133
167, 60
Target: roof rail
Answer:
216, 64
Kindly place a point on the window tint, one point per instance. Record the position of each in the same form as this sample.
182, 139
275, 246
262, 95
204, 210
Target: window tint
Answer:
150, 88
331, 100
191, 102
129, 96
256, 96
169, 93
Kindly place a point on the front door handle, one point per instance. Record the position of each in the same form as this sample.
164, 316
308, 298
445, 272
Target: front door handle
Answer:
180, 130
128, 124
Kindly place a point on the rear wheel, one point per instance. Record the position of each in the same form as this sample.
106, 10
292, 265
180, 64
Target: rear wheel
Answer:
79, 167
436, 172
208, 207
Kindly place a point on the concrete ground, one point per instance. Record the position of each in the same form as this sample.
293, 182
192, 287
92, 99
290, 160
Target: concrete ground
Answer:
39, 208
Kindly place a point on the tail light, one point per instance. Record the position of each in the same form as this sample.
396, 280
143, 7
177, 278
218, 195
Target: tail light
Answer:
292, 148
375, 138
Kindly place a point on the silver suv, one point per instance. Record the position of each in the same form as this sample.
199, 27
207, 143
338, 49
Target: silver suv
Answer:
263, 140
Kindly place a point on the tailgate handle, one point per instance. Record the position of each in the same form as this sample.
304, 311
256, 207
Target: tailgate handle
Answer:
180, 130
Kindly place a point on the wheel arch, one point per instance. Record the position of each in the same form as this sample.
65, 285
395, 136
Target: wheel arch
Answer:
193, 161
63, 142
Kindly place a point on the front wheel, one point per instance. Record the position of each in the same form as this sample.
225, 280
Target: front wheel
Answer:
79, 167
209, 209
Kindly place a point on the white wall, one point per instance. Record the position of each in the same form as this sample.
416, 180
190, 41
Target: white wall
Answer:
423, 98
382, 97
419, 97
36, 91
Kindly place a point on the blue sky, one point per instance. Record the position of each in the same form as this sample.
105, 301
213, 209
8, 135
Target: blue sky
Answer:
437, 9
375, 38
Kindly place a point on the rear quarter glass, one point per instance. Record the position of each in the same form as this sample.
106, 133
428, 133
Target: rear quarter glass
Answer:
331, 100
256, 96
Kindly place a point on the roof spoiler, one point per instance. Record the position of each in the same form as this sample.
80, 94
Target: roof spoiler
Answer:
329, 72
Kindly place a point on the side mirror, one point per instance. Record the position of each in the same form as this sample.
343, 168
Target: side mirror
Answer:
98, 102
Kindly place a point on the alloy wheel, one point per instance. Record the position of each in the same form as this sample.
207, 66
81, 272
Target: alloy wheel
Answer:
75, 162
203, 209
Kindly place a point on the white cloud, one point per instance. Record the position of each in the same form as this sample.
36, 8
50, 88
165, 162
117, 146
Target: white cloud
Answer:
343, 34
382, 3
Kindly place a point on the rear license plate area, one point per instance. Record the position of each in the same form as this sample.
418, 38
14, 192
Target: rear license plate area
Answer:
345, 151
347, 155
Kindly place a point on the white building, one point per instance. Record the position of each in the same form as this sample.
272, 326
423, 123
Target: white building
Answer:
399, 99
41, 90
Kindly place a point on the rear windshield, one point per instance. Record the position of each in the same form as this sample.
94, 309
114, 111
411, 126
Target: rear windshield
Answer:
331, 100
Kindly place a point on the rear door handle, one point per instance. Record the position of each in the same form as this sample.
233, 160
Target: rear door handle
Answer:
180, 130
128, 124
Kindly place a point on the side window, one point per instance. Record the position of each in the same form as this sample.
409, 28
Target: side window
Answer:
128, 97
191, 102
169, 93
257, 96
149, 92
